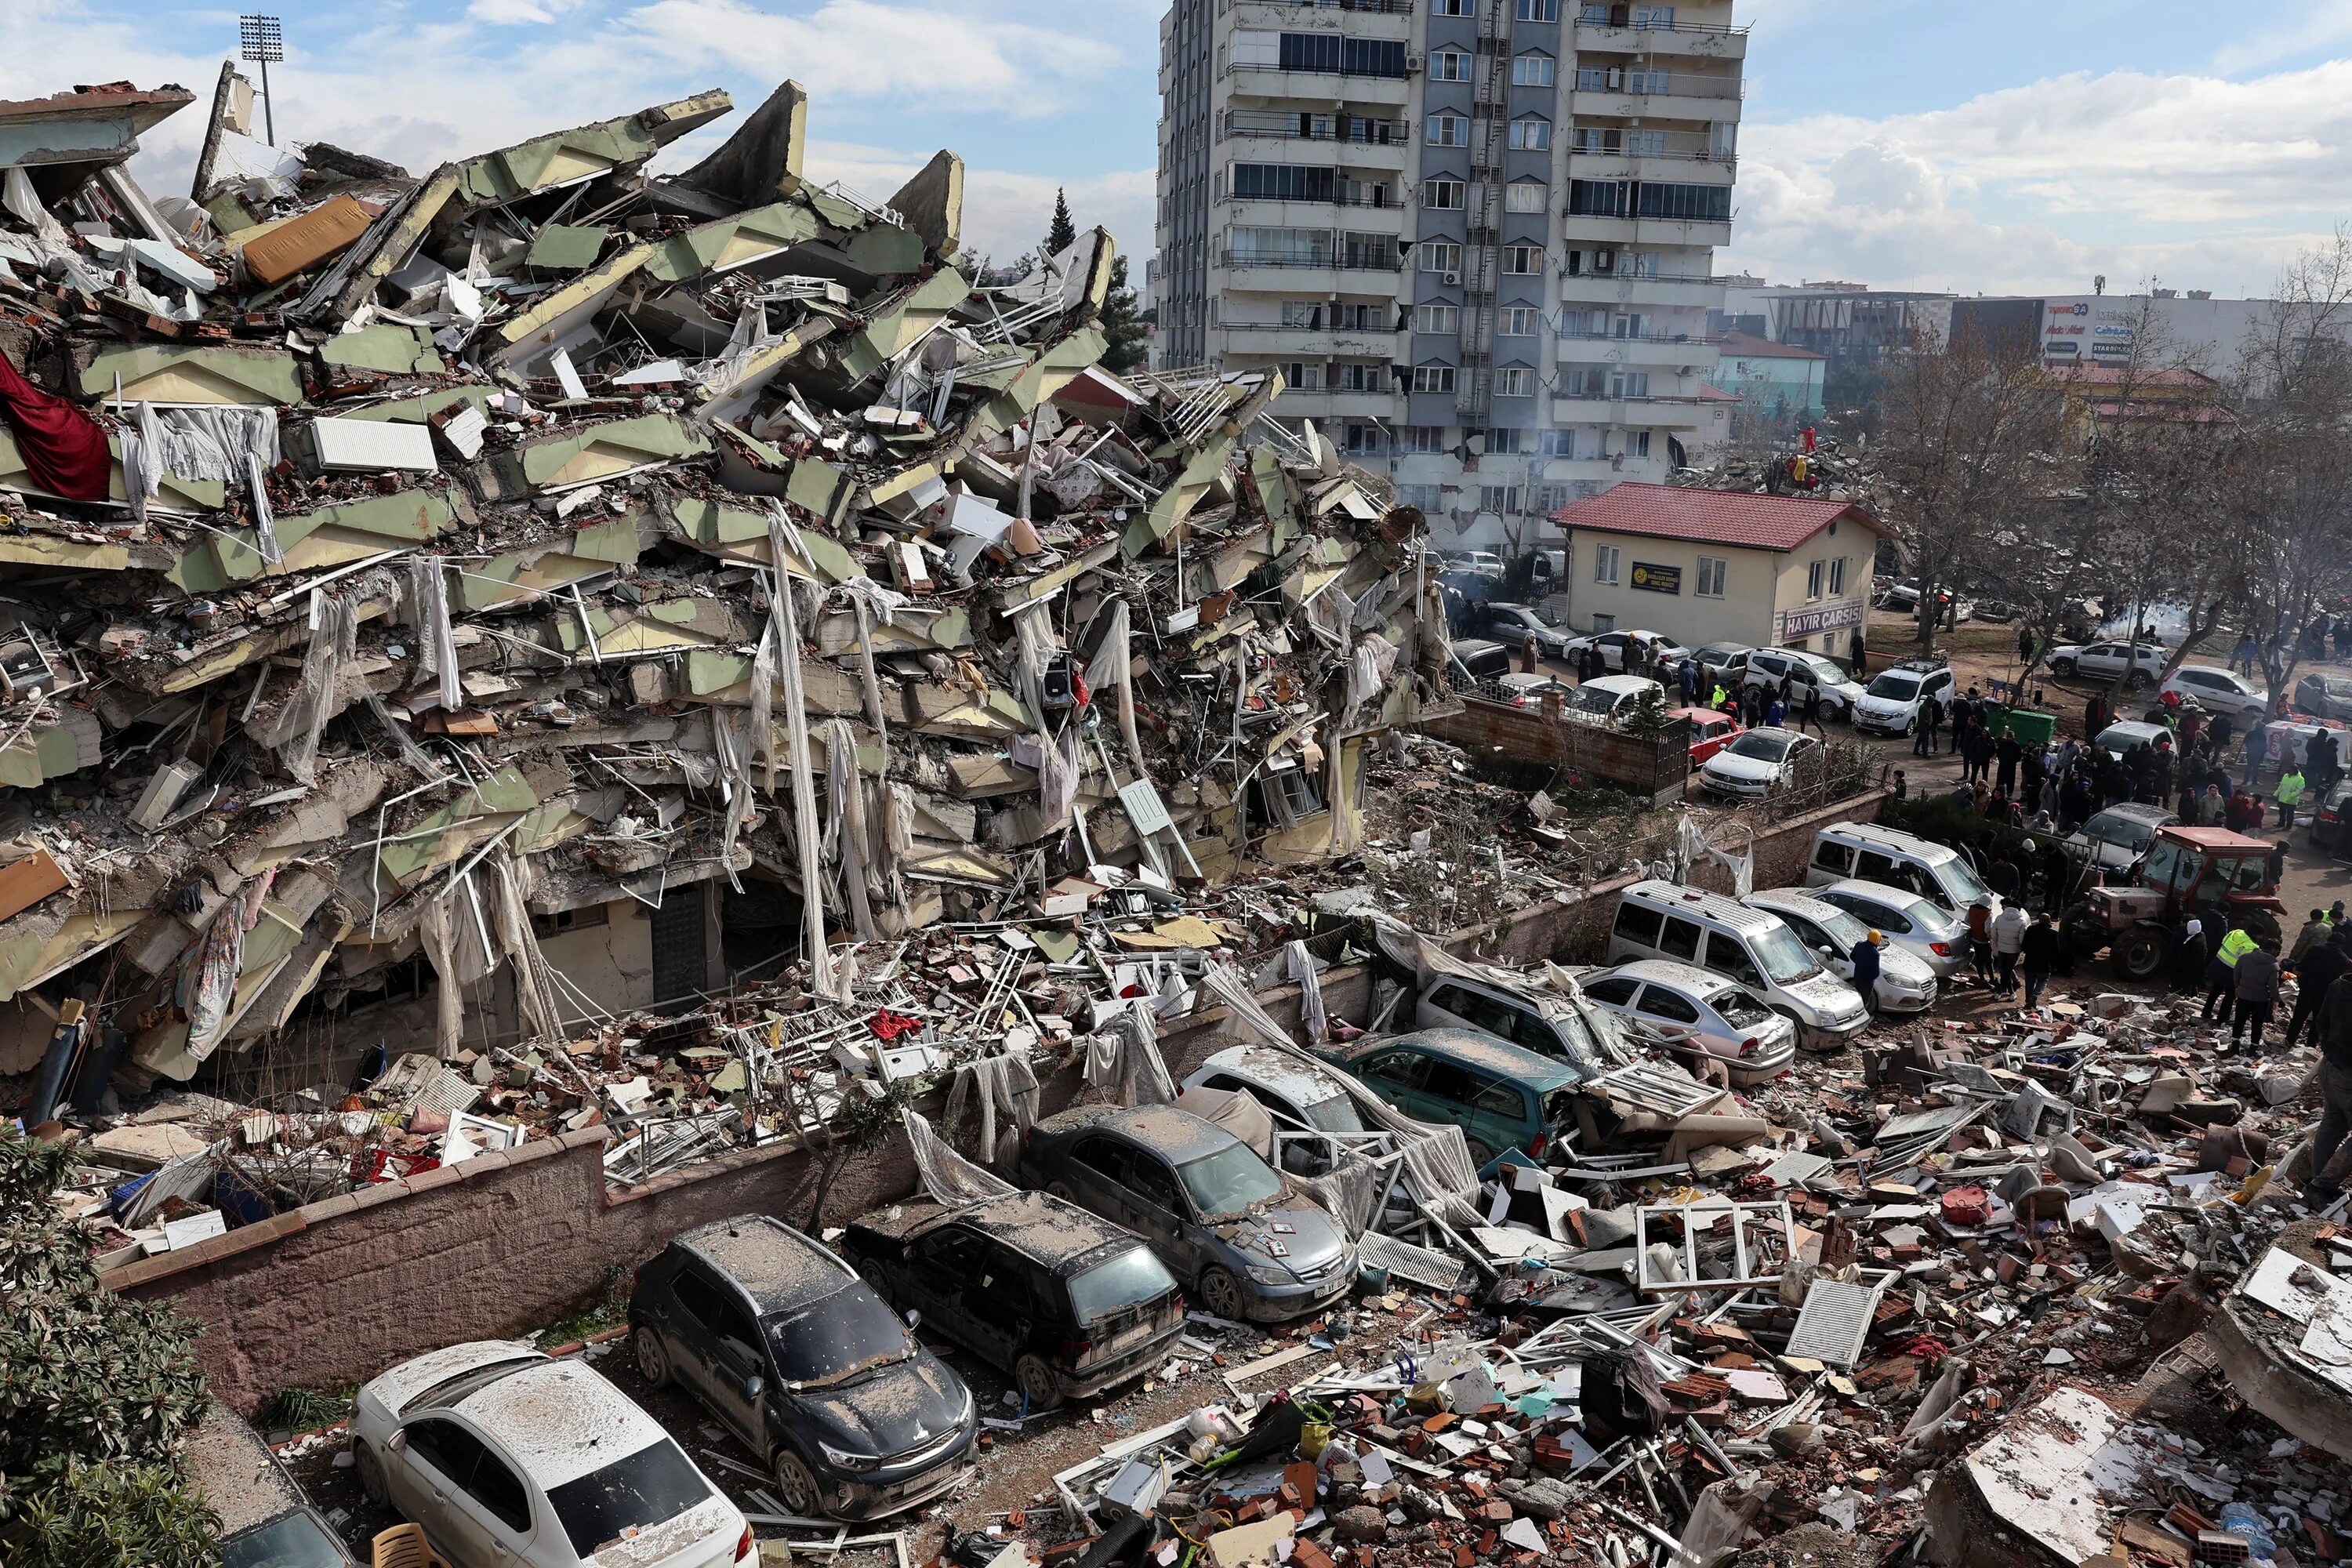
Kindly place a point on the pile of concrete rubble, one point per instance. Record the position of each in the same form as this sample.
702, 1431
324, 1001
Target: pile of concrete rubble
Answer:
402, 574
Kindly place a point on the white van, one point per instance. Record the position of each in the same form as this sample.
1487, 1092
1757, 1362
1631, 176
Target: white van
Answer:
1605, 698
1864, 851
1663, 920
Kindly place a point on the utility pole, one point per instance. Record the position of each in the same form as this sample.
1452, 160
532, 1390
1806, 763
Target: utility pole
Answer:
259, 43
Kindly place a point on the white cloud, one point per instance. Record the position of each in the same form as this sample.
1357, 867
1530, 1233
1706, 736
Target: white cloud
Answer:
509, 13
2196, 180
2315, 25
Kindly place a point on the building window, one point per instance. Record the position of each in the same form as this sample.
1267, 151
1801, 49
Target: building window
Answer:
1654, 15
1524, 259
1597, 198
1306, 313
1285, 182
1604, 564
1449, 131
1595, 13
581, 919
1523, 197
1837, 577
1650, 78
1531, 70
1433, 378
1560, 443
1584, 324
1359, 378
1532, 135
1426, 497
1631, 383
1420, 439
1445, 195
1440, 256
1248, 246
1366, 439
1503, 442
1445, 321
1637, 443
1521, 321
1449, 65
1645, 143
1538, 10
1504, 499
1712, 570
1813, 579
1302, 375
1452, 7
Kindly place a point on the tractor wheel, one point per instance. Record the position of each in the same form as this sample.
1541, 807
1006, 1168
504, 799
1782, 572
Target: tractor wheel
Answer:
2138, 953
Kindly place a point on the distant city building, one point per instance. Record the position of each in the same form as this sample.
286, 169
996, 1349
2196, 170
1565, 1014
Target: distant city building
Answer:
1777, 381
2191, 329
1845, 324
1475, 236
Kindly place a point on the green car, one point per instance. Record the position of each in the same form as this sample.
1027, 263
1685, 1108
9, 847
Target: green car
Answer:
1501, 1095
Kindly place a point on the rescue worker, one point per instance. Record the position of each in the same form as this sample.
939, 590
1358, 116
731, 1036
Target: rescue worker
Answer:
2221, 974
1866, 971
2288, 793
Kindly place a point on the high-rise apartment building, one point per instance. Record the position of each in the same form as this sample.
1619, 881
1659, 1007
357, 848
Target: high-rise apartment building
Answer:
1476, 236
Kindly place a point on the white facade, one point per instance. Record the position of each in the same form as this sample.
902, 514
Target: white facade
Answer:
1698, 592
1476, 236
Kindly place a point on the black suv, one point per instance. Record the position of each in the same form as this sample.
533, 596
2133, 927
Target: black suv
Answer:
789, 1347
1067, 1303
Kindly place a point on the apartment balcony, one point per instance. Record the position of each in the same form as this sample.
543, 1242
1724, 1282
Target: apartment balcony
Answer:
1567, 470
1667, 411
1645, 352
1330, 274
1278, 341
1689, 289
1696, 99
1697, 166
1643, 233
1331, 403
1356, 213
1357, 19
1681, 41
1319, 89
1386, 159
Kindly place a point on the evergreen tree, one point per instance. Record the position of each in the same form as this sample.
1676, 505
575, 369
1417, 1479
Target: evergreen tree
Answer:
1122, 324
1063, 234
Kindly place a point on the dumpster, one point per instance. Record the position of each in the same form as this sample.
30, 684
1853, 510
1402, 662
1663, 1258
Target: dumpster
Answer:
2031, 729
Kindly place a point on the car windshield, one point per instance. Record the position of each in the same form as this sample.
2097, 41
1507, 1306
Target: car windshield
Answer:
1784, 958
829, 1341
1762, 748
1336, 1114
1927, 912
2133, 833
296, 1540
1824, 672
1842, 927
1229, 1182
1740, 1009
1895, 686
1132, 1276
1958, 882
650, 1486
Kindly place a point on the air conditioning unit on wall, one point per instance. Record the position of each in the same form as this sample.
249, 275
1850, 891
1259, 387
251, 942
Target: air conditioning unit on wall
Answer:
1454, 279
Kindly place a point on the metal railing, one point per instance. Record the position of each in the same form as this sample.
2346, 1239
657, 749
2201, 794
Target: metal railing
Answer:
1233, 66
1676, 84
1710, 29
1389, 204
1336, 262
1301, 327
1372, 7
1355, 131
1641, 337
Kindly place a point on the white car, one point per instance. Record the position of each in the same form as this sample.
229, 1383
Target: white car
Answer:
1759, 762
2125, 733
1697, 1010
1891, 703
2217, 690
1803, 669
2106, 660
511, 1460
1905, 985
1611, 697
1613, 647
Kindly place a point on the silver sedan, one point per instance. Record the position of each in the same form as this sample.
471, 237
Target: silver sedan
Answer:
1927, 931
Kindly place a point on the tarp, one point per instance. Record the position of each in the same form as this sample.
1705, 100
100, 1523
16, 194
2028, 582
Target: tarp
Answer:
1237, 1111
63, 448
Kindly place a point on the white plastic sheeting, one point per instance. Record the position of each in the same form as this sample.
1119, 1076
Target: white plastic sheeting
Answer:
947, 1176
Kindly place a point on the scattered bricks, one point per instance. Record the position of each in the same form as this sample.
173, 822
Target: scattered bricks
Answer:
1360, 1525
1305, 1553
1968, 1206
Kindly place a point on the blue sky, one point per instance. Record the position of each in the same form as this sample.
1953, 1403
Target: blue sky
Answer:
1989, 146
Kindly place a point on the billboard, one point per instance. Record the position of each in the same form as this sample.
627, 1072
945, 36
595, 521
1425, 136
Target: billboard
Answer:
2089, 329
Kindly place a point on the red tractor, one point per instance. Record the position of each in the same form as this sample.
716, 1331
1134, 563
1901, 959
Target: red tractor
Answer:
2222, 878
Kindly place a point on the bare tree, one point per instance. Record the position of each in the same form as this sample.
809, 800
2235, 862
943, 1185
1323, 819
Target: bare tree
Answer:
1969, 425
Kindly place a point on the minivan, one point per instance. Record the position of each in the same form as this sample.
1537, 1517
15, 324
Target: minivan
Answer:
1865, 852
1479, 659
1611, 697
1661, 920
1502, 1096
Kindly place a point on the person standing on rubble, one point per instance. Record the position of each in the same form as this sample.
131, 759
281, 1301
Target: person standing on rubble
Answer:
2315, 930
2007, 945
1980, 940
2187, 961
2315, 974
2221, 974
2257, 992
2039, 950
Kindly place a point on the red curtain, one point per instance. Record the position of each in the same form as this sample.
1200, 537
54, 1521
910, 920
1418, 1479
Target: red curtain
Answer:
63, 447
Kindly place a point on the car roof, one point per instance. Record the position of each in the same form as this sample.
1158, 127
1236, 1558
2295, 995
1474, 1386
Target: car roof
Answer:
1686, 976
2135, 727
1892, 839
1615, 685
1777, 733
560, 1420
1880, 893
1178, 1135
232, 1469
1726, 648
1478, 1049
1699, 902
778, 1268
1796, 901
1044, 1228
1477, 645
397, 1386
1301, 1081
2139, 810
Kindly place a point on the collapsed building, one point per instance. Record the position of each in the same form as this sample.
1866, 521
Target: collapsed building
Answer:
440, 612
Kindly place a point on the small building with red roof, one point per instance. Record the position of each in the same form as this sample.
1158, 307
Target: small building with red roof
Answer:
1702, 566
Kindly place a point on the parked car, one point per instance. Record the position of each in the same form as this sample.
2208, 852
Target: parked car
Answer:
1311, 1106
2125, 733
1891, 704
1804, 671
1065, 1302
2139, 663
1484, 562
1251, 1245
2328, 822
2324, 696
2217, 690
511, 1460
1936, 936
2115, 839
1477, 660
1710, 732
1761, 760
264, 1520
1864, 851
1661, 920
782, 1342
1501, 1095
1723, 660
1903, 598
1611, 697
1522, 688
1906, 983
1613, 647
1560, 1027
1513, 623
1700, 1015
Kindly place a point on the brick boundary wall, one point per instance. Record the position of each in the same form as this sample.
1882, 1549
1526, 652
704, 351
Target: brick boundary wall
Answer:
329, 1294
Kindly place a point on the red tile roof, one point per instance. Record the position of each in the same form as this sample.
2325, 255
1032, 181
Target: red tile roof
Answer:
1741, 518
